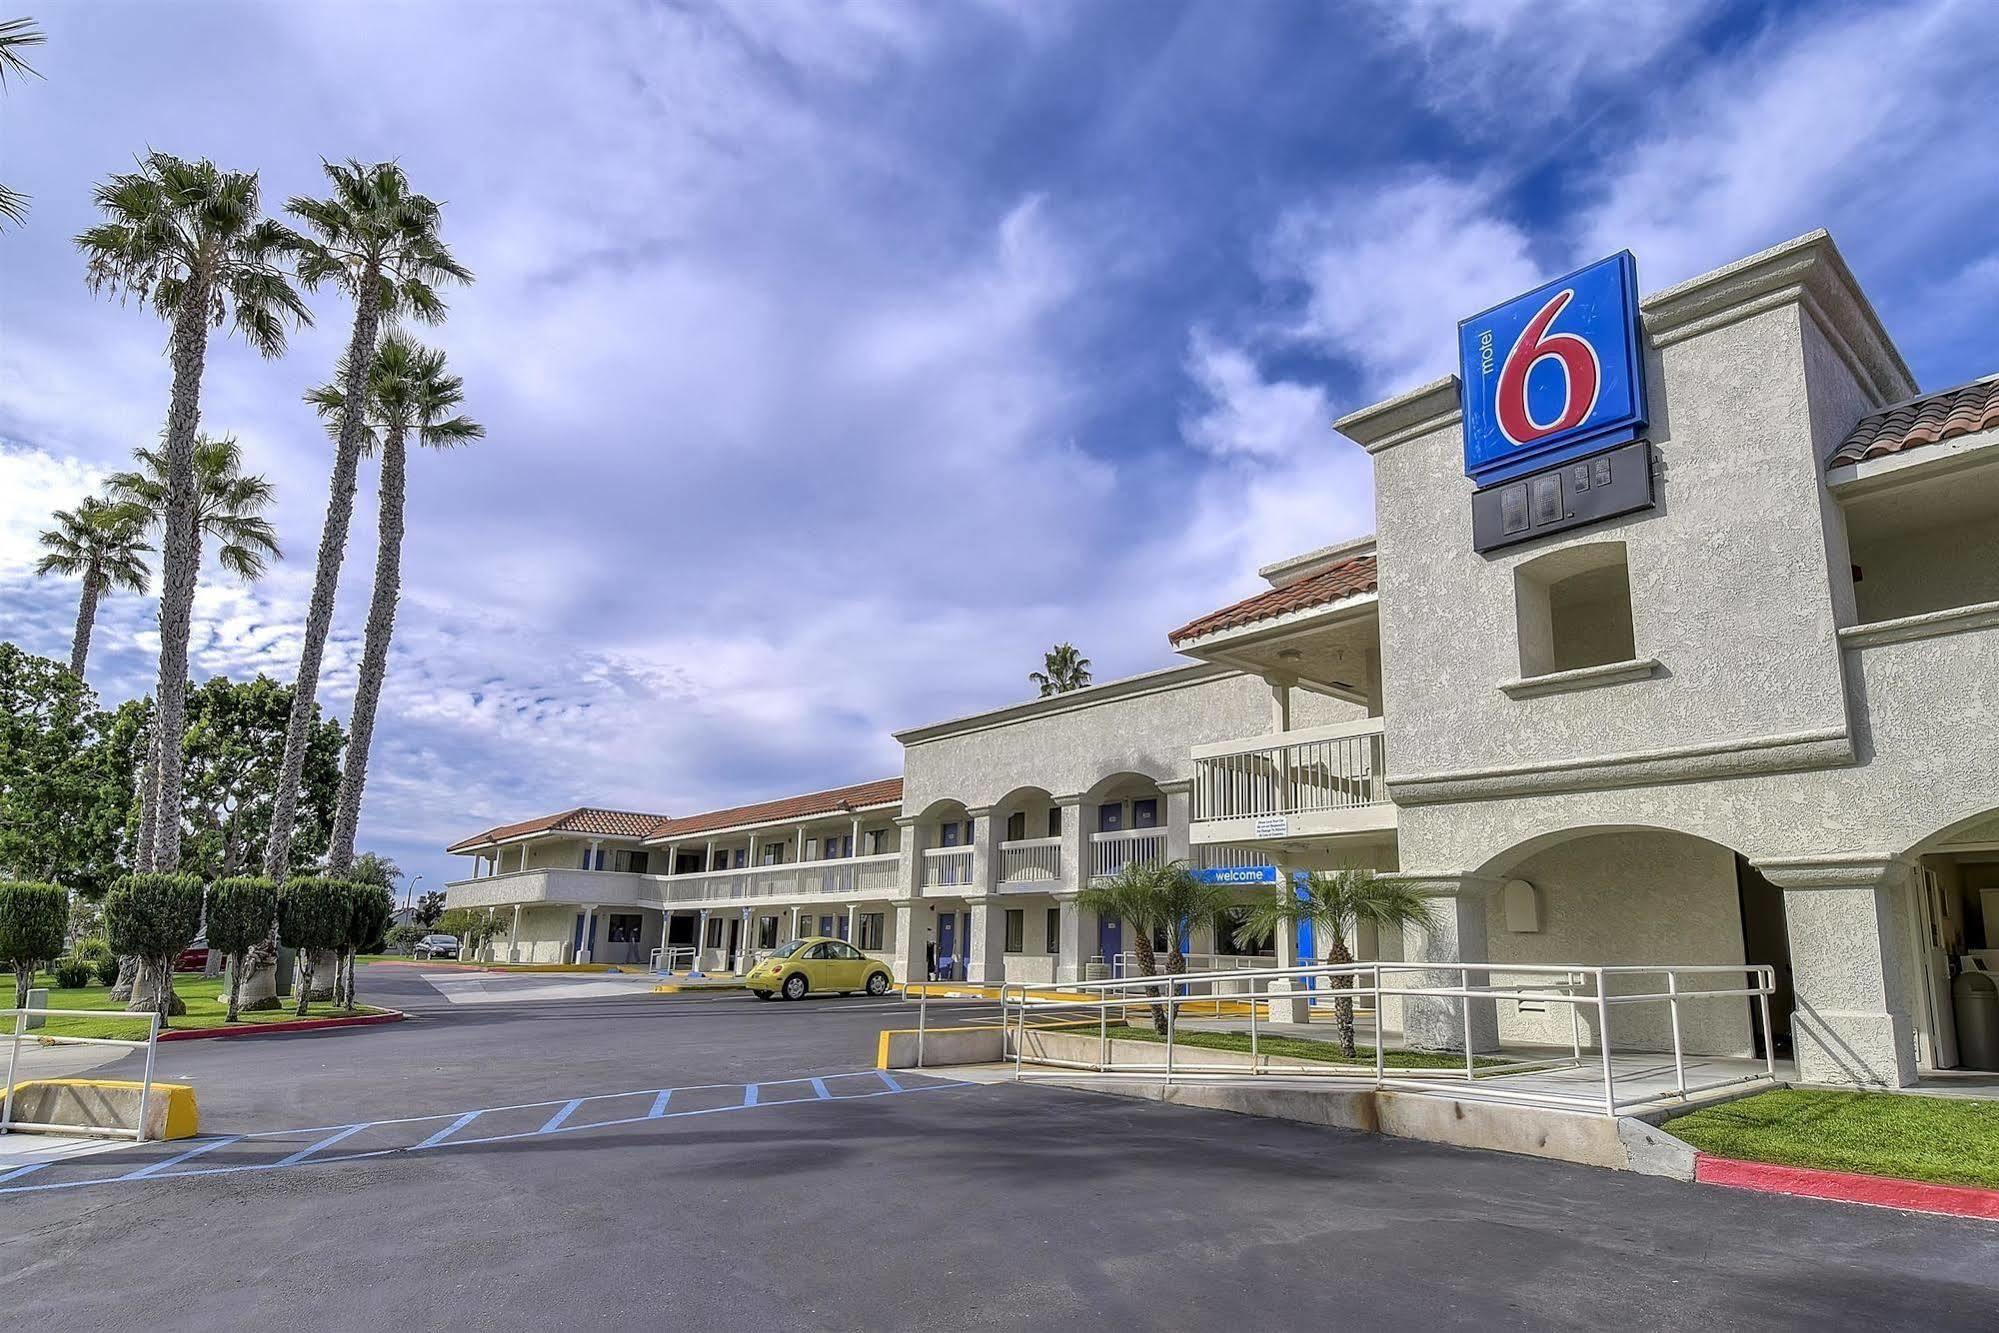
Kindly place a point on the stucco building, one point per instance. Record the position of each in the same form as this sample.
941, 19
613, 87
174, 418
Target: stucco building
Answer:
1755, 720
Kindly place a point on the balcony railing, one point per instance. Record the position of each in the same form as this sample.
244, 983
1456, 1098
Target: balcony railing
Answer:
1112, 852
851, 876
1298, 772
1030, 861
947, 866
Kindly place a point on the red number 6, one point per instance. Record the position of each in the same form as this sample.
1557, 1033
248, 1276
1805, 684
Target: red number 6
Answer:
1581, 376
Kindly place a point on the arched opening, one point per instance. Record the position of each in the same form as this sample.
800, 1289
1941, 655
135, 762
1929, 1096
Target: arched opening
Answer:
1953, 929
1027, 836
1641, 896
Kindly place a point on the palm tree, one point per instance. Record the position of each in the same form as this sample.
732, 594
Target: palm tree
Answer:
1334, 905
1150, 897
228, 506
185, 238
15, 34
102, 542
408, 392
1063, 669
377, 241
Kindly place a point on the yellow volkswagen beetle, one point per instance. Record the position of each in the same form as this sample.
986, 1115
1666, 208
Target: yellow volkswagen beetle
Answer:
817, 963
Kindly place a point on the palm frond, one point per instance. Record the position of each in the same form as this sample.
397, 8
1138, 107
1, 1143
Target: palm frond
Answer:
15, 36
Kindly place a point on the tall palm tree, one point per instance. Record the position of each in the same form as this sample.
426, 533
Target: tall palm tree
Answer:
104, 543
15, 36
1152, 897
228, 506
1334, 905
1063, 669
408, 393
377, 241
186, 238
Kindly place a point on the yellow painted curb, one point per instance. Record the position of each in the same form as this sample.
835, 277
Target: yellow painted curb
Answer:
182, 1118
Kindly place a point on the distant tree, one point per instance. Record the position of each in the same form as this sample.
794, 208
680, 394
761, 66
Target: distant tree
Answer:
312, 919
374, 868
60, 797
242, 911
235, 742
403, 938
152, 917
429, 907
1334, 904
186, 239
34, 923
1062, 669
103, 544
16, 35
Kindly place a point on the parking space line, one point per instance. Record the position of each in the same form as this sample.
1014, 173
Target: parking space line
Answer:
659, 1104
819, 1087
750, 1094
555, 1121
450, 1129
195, 1151
884, 1076
326, 1142
20, 1171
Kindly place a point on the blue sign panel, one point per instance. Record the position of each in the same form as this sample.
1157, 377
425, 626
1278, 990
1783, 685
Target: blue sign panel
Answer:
1238, 875
1553, 375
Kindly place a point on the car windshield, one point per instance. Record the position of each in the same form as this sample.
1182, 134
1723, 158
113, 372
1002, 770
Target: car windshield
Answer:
786, 950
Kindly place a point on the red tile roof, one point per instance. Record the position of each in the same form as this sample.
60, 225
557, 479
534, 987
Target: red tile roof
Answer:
1349, 578
1931, 419
585, 819
887, 791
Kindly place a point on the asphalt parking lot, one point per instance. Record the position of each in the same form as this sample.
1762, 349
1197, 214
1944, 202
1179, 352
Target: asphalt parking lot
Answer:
780, 1183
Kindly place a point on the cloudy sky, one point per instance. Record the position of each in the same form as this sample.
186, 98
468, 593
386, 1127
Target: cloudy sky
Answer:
836, 358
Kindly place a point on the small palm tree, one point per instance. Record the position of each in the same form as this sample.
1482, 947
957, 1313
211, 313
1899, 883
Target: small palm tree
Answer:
377, 241
1063, 669
228, 505
1154, 896
1334, 904
186, 239
409, 393
15, 36
102, 542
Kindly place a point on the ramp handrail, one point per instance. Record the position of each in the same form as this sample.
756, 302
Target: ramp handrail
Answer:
20, 1031
671, 952
1581, 987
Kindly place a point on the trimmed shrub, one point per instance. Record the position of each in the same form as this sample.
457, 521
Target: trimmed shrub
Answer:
73, 973
403, 939
34, 921
107, 970
312, 919
92, 949
152, 917
370, 908
241, 915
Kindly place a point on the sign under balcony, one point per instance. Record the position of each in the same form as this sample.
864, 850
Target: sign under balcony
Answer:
1313, 783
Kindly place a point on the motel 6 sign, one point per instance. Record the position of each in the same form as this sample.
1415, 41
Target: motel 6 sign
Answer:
1553, 375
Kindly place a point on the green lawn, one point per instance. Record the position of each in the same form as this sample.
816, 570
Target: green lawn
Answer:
206, 1006
1949, 1141
1295, 1048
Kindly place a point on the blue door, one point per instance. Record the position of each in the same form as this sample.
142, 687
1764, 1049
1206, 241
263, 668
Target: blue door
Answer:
1110, 940
947, 951
965, 945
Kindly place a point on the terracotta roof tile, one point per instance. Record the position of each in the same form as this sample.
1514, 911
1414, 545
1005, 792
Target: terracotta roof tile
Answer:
1349, 578
887, 791
585, 819
1931, 419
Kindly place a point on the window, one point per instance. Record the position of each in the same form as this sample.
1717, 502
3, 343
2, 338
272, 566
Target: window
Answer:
622, 929
1055, 930
1145, 813
948, 835
635, 862
773, 854
1573, 609
1016, 929
1016, 826
824, 950
872, 932
1054, 821
714, 933
687, 863
878, 842
846, 953
766, 931
742, 857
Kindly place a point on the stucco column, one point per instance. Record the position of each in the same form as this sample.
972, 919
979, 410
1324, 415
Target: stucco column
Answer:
984, 862
743, 944
1457, 935
987, 964
1179, 815
701, 943
589, 929
797, 913
514, 937
1848, 968
1069, 937
1075, 844
909, 857
912, 923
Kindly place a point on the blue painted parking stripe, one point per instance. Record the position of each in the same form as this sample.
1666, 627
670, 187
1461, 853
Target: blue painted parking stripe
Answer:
449, 1129
659, 1104
819, 1087
20, 1171
555, 1121
884, 1076
749, 1094
195, 1151
326, 1142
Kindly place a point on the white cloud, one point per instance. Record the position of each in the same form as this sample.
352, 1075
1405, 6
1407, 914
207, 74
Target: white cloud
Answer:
33, 485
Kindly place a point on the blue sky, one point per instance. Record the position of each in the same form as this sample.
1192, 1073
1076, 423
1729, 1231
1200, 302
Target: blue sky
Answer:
837, 358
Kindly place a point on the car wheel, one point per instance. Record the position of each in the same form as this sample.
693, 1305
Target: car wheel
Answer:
761, 994
878, 983
794, 986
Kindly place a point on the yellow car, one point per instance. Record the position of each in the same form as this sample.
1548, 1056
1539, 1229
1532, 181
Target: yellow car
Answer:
817, 963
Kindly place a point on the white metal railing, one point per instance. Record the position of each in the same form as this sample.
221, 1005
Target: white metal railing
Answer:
943, 866
1112, 852
1459, 996
674, 958
1126, 964
1295, 772
1030, 860
20, 1030
798, 879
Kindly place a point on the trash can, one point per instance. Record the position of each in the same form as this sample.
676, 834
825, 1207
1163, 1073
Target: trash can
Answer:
1974, 999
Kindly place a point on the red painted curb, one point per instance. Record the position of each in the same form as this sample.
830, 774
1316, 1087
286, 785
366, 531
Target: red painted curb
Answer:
1915, 1196
289, 1025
